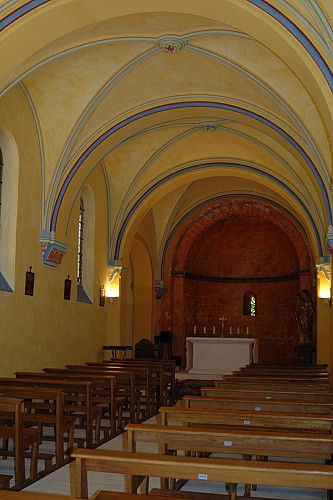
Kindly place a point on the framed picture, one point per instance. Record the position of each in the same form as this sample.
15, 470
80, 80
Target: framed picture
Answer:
29, 282
67, 288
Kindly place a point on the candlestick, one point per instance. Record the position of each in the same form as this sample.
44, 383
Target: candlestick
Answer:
230, 330
223, 318
237, 330
204, 330
213, 330
194, 329
247, 330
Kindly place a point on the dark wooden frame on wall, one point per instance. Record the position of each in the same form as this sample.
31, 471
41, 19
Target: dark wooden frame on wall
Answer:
102, 296
29, 282
67, 288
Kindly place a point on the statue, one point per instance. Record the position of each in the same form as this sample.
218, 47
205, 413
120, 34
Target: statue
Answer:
304, 316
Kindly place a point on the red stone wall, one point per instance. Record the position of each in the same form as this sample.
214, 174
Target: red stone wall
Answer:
246, 248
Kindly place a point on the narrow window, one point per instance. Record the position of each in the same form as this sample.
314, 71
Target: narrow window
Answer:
1, 179
249, 304
85, 246
80, 243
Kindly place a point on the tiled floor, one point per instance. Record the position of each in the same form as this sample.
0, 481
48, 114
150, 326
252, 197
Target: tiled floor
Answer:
63, 481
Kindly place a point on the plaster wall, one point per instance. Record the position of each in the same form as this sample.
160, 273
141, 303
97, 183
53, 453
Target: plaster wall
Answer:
44, 329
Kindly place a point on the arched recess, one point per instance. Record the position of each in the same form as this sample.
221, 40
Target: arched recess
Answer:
226, 252
9, 203
231, 207
143, 290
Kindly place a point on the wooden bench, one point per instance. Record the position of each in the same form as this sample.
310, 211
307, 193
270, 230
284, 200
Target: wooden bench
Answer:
247, 442
259, 404
231, 441
277, 379
158, 378
166, 372
313, 368
231, 471
296, 367
268, 393
157, 494
290, 422
103, 393
127, 386
77, 403
62, 424
275, 384
299, 374
31, 495
146, 383
23, 438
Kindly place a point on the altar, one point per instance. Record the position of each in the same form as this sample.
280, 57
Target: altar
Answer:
211, 355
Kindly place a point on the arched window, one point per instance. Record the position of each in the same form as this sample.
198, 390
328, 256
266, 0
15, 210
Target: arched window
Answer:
85, 246
9, 175
249, 304
1, 179
80, 243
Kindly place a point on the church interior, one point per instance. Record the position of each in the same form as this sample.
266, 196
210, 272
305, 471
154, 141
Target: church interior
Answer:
165, 174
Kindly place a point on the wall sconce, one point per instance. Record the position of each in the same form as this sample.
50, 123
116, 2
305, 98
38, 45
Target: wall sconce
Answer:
112, 290
324, 282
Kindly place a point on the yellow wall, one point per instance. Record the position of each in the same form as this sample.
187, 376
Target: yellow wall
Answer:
44, 329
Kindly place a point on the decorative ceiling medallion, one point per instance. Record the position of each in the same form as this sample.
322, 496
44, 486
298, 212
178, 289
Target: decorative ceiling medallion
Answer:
208, 127
171, 45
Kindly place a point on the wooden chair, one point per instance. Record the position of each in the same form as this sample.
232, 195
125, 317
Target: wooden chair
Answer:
144, 349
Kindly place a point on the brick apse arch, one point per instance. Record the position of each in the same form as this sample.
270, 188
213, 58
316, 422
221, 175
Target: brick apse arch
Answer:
226, 249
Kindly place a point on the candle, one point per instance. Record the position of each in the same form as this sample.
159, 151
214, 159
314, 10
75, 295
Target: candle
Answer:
247, 330
213, 330
230, 330
194, 329
237, 330
204, 330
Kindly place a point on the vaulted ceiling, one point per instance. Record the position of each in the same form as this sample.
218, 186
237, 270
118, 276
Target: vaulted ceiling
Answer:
181, 103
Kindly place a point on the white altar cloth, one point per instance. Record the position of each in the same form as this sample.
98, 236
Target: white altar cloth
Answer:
208, 355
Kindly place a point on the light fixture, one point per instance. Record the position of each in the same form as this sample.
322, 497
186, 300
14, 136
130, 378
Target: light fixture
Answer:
112, 290
324, 281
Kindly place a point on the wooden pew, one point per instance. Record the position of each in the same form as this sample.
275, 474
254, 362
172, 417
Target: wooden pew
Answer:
271, 372
268, 393
166, 371
157, 494
112, 495
232, 471
158, 376
77, 402
231, 441
295, 367
129, 385
277, 385
31, 495
277, 379
146, 383
103, 393
289, 422
12, 428
247, 442
256, 404
56, 418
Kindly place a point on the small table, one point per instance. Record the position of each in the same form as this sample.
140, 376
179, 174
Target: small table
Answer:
115, 348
